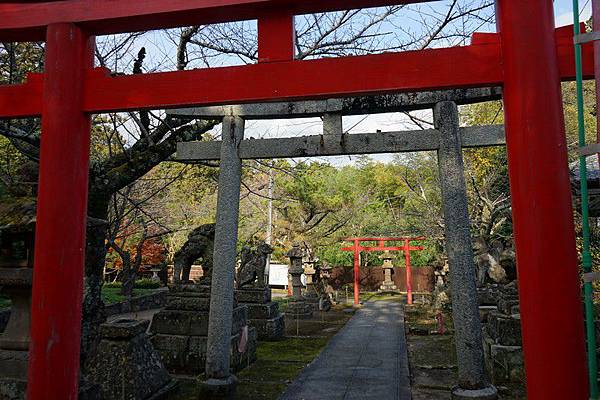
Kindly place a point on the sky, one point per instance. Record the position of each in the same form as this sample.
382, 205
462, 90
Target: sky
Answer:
358, 124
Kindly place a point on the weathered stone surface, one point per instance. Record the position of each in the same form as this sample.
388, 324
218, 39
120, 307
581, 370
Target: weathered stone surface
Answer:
504, 363
151, 301
269, 329
187, 354
484, 311
13, 364
12, 389
189, 303
299, 310
259, 295
123, 329
192, 323
468, 336
506, 304
125, 365
504, 329
262, 311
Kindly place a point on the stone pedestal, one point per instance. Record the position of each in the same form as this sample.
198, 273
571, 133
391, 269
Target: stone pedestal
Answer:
263, 314
310, 293
126, 366
180, 331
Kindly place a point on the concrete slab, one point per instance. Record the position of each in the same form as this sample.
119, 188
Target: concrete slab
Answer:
367, 359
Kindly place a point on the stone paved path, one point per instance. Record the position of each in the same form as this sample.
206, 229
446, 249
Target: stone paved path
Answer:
366, 360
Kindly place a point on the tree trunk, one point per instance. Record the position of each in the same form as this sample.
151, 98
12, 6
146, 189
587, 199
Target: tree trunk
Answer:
129, 274
93, 306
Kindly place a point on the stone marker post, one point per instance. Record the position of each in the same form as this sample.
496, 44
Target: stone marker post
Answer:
219, 377
472, 382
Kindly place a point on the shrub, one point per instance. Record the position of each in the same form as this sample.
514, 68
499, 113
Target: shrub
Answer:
146, 284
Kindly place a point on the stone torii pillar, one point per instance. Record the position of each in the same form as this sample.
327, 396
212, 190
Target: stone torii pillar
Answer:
472, 381
220, 380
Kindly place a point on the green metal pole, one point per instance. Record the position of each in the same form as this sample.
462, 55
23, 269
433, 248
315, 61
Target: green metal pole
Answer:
586, 254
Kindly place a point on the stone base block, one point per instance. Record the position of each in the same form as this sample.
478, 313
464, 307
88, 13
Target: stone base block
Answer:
12, 389
504, 363
299, 310
504, 329
253, 295
219, 388
192, 323
388, 287
13, 365
187, 354
484, 311
262, 311
269, 329
126, 366
488, 393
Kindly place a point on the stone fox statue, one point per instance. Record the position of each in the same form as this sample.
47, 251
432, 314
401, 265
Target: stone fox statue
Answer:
252, 266
200, 243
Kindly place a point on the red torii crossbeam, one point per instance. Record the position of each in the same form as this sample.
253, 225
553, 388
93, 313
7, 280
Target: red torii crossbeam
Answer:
406, 248
528, 58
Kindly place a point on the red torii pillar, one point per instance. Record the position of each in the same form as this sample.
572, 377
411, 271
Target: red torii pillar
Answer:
61, 217
406, 248
553, 334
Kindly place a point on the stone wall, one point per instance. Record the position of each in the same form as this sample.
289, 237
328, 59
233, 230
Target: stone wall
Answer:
499, 310
371, 278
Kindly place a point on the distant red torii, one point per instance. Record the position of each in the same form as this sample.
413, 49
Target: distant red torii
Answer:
406, 248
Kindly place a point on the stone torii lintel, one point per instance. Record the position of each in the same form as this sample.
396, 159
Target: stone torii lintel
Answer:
399, 102
342, 144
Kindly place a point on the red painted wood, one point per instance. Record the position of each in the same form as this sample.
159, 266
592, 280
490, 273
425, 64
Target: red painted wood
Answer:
409, 298
549, 286
61, 218
476, 65
24, 100
27, 22
356, 273
276, 37
294, 80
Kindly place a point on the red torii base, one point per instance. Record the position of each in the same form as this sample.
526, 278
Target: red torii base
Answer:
406, 248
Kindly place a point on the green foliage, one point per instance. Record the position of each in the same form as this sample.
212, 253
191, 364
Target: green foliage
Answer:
146, 283
4, 302
112, 295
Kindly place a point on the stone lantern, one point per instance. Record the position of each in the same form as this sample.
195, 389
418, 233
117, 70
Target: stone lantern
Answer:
311, 273
298, 308
388, 270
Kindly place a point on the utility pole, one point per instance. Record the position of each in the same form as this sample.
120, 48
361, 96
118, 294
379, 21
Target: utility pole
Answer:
269, 238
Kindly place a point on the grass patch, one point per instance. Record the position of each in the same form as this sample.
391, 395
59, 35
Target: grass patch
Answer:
277, 365
112, 295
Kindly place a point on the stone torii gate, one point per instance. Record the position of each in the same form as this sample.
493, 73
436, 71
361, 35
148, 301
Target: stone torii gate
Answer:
448, 139
528, 57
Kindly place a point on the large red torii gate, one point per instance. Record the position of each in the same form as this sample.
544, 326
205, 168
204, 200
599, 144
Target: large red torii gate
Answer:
527, 58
